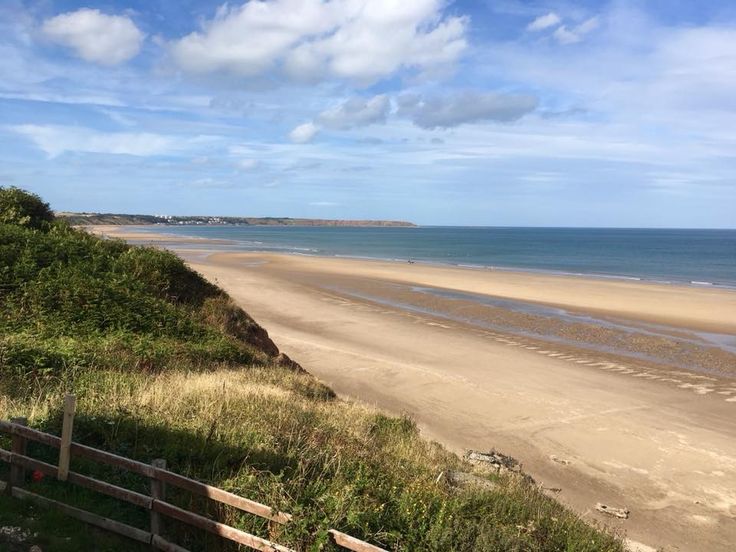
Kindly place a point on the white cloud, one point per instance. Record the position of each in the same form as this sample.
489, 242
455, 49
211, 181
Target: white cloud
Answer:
588, 25
303, 133
637, 72
359, 40
563, 35
55, 140
446, 111
544, 22
95, 36
467, 107
356, 112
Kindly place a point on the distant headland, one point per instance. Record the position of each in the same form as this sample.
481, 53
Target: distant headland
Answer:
79, 219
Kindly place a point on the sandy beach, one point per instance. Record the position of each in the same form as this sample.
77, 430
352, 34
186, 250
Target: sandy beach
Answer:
616, 392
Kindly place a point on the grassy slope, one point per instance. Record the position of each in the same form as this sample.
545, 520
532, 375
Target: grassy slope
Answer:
164, 365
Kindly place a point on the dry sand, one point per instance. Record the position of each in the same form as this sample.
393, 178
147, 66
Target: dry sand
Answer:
656, 440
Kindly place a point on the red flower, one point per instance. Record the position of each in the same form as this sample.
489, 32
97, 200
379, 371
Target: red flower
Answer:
37, 476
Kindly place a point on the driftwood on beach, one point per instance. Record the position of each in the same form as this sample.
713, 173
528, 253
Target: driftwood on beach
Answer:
499, 461
621, 513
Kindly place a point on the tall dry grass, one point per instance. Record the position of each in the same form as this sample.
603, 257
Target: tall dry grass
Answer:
281, 438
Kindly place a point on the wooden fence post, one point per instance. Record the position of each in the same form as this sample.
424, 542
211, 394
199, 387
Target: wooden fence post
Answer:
17, 446
70, 403
158, 492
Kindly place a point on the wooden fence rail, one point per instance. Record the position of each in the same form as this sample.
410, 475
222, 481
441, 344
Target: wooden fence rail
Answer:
155, 503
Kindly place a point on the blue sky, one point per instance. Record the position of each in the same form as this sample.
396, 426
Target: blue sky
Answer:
508, 112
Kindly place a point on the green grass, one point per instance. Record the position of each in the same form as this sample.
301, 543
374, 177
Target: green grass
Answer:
274, 436
164, 365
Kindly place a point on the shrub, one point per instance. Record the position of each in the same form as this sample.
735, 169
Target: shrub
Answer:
24, 208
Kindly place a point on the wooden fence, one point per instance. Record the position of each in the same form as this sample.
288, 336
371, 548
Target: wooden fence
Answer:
155, 503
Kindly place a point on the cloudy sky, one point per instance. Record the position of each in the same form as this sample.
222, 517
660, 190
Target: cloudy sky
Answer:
495, 112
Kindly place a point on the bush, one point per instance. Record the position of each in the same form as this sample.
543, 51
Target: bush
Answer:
24, 209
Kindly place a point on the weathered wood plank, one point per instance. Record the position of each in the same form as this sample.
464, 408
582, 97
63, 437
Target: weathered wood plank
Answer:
5, 455
224, 497
70, 404
109, 489
351, 543
77, 449
17, 446
126, 495
85, 516
34, 435
32, 464
158, 491
224, 531
112, 459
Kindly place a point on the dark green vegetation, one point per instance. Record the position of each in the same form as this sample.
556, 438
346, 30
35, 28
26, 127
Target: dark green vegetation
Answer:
24, 209
52, 531
72, 301
81, 219
165, 366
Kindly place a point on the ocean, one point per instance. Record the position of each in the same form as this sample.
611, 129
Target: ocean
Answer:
695, 257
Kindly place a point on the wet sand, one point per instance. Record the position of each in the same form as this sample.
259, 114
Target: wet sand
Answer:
613, 392
150, 235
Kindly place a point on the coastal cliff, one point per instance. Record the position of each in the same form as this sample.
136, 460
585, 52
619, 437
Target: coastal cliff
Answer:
82, 219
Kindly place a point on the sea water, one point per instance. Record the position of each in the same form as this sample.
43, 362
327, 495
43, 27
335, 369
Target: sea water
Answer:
695, 257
